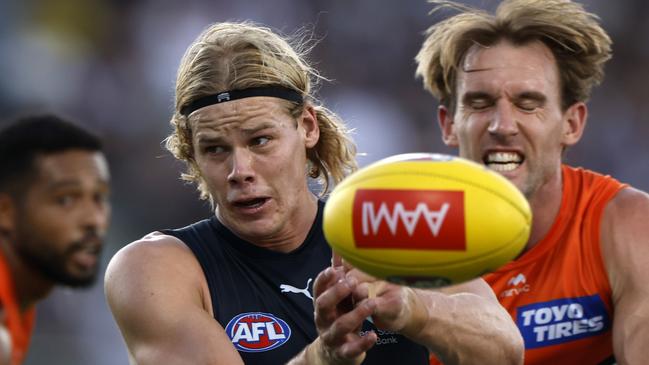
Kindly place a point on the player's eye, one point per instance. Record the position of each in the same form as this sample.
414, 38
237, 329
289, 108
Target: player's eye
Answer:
101, 197
260, 141
480, 103
213, 149
528, 105
65, 200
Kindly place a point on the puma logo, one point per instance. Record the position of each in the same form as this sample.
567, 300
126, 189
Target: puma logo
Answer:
291, 289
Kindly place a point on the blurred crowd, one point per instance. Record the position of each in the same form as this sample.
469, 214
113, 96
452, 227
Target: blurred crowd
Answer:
111, 65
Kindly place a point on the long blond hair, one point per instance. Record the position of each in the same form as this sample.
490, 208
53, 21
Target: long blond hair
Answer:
232, 56
580, 46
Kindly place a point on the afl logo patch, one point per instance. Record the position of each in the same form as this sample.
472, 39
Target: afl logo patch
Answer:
257, 332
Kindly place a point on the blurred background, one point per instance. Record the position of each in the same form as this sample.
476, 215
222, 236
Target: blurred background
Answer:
111, 65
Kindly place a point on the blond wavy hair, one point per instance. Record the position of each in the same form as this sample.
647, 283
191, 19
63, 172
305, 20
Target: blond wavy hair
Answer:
231, 56
580, 46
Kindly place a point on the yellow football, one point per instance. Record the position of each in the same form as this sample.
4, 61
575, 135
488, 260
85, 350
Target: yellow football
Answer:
426, 220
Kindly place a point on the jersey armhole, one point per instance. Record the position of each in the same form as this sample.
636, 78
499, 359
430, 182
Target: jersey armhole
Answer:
593, 222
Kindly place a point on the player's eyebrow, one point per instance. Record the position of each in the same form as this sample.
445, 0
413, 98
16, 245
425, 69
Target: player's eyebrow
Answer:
259, 127
203, 140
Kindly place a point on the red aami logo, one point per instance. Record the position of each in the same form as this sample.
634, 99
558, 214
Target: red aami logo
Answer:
409, 219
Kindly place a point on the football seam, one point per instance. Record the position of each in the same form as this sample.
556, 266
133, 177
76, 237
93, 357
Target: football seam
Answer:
446, 265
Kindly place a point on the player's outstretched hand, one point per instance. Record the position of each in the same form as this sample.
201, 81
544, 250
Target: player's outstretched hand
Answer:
338, 320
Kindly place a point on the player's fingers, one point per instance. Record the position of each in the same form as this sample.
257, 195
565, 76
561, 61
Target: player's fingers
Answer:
357, 346
360, 292
370, 290
336, 260
348, 323
346, 265
359, 275
327, 304
325, 279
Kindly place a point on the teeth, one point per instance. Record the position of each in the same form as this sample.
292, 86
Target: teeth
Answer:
504, 157
503, 167
503, 161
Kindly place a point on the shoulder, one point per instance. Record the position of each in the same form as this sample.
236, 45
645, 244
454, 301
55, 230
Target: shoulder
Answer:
625, 214
625, 237
156, 261
630, 198
154, 250
158, 295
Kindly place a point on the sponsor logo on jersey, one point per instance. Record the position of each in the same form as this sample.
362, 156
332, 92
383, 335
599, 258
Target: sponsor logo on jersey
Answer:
409, 219
382, 337
518, 279
515, 286
562, 320
257, 332
286, 288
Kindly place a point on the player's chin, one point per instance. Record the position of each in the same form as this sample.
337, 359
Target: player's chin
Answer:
77, 280
79, 276
261, 229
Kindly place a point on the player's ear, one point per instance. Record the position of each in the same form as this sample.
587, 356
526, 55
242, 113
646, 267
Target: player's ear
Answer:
309, 122
446, 124
7, 213
574, 122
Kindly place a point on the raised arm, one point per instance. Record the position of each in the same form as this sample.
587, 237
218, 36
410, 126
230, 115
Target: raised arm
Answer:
160, 300
625, 248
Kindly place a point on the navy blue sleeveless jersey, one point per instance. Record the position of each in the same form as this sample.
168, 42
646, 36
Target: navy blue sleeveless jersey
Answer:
263, 298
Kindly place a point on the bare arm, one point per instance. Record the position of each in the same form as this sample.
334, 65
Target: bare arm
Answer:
157, 293
625, 248
481, 330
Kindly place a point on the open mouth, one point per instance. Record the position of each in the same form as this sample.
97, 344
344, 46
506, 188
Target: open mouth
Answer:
86, 257
503, 161
250, 203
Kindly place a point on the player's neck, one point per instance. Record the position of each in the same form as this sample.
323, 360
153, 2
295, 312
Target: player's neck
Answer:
295, 231
301, 223
545, 204
29, 283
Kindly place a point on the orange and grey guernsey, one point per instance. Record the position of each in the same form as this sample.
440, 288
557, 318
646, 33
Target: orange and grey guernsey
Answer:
558, 293
19, 324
